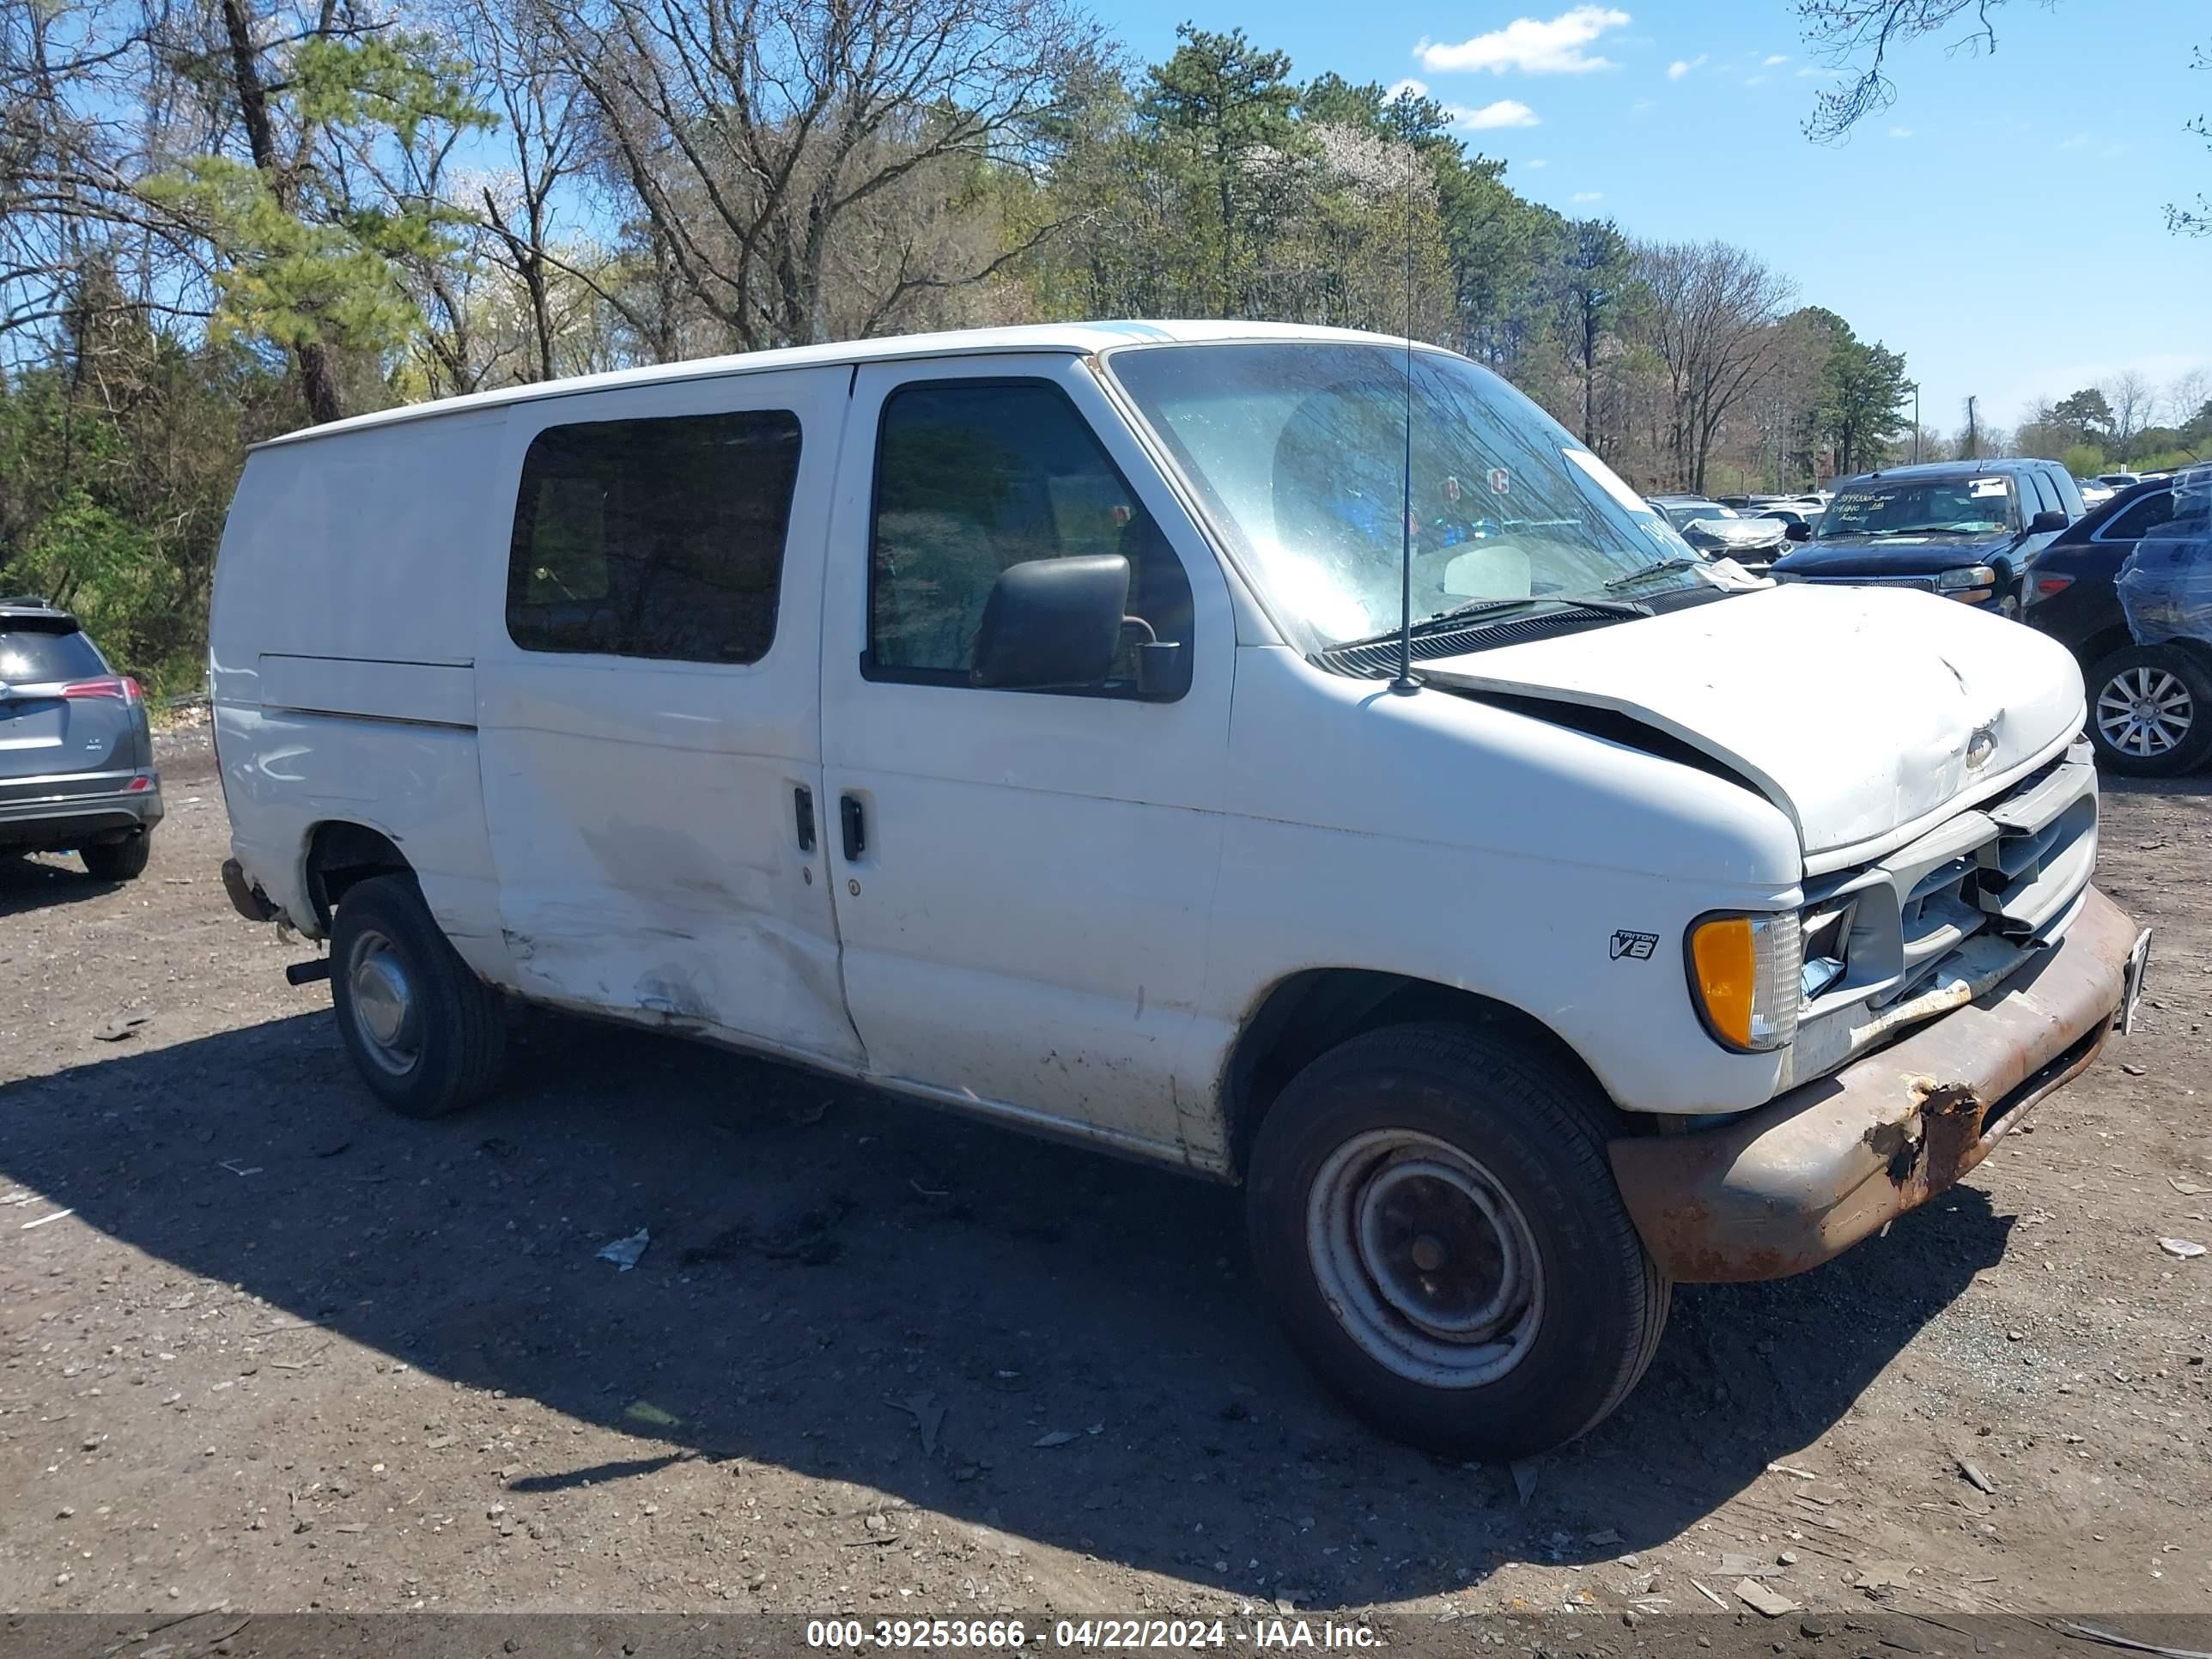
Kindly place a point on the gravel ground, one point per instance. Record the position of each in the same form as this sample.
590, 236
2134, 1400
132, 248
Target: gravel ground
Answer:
285, 1353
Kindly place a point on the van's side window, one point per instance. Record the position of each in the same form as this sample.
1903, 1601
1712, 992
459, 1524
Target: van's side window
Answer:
654, 537
974, 476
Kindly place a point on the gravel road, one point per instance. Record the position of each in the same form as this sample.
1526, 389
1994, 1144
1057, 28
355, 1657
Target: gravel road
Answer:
284, 1351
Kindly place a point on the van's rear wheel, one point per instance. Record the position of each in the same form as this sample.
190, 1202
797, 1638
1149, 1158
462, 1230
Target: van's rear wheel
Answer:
1433, 1214
426, 1035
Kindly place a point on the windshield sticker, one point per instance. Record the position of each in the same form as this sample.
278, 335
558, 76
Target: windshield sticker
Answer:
1608, 480
1989, 486
1501, 481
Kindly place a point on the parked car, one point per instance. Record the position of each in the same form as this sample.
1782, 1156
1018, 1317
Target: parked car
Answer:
2150, 706
2118, 480
76, 754
1804, 514
1679, 510
2094, 494
1968, 530
869, 706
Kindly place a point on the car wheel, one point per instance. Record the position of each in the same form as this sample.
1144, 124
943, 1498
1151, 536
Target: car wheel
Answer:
426, 1035
118, 861
2150, 710
1432, 1215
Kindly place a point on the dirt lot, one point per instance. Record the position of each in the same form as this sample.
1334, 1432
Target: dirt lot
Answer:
289, 1352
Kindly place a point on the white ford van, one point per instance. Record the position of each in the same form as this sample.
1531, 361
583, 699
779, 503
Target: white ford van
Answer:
1014, 720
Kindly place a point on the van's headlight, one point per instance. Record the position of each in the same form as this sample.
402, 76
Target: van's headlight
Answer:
1973, 583
1746, 976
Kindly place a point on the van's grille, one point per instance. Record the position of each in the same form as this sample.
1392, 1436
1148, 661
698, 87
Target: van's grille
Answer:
2007, 868
1920, 584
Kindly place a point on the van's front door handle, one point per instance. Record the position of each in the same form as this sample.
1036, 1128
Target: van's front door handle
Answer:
802, 801
856, 828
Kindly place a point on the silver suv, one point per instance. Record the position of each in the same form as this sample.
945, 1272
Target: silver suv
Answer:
76, 756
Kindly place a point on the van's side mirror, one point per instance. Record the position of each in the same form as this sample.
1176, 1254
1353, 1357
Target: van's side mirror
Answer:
1797, 531
1053, 623
2049, 519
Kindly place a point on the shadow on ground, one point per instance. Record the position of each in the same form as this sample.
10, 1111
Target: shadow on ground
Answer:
28, 884
819, 1254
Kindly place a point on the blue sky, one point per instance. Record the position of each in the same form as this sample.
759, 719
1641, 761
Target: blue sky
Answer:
2002, 225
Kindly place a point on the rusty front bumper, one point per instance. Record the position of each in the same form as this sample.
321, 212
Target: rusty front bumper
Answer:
1801, 1180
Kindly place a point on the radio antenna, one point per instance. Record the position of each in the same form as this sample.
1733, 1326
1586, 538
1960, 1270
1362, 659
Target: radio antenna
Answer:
1405, 684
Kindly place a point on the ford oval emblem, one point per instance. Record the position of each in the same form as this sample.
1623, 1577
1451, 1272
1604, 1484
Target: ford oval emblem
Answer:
1980, 745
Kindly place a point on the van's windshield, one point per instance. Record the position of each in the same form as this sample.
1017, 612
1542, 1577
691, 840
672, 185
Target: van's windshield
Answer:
1297, 453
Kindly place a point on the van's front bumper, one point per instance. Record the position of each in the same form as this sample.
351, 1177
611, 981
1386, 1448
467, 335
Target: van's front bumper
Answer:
1801, 1180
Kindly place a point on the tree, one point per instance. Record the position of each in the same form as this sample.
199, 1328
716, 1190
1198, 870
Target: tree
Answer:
1863, 392
1591, 277
2129, 399
1225, 107
1857, 37
295, 100
2197, 219
1712, 315
2086, 415
797, 158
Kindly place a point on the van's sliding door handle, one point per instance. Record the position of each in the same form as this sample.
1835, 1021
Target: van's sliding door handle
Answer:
856, 828
802, 801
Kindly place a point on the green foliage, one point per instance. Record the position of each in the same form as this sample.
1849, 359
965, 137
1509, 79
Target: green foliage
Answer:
2083, 460
1863, 392
300, 261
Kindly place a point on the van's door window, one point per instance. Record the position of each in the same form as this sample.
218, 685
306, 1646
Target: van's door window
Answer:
973, 477
654, 537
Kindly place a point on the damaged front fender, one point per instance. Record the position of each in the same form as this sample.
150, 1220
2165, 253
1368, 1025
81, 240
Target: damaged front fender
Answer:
1799, 1182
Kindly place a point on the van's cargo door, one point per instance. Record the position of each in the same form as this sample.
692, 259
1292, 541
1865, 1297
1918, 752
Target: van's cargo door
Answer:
1025, 878
649, 708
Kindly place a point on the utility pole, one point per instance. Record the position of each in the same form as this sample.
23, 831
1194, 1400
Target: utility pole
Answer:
1973, 446
1916, 424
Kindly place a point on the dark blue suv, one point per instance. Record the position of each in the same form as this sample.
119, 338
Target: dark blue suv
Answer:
1968, 530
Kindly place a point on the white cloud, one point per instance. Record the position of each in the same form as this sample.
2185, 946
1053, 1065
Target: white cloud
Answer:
1774, 60
1505, 112
1583, 197
1531, 46
1644, 106
1900, 133
1756, 81
1399, 88
1682, 66
1807, 72
1534, 162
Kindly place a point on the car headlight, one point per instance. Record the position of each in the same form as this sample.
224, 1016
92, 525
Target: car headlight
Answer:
1971, 583
1746, 976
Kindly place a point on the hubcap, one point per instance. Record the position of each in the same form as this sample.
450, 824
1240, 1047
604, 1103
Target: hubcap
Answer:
1425, 1258
2145, 712
385, 1015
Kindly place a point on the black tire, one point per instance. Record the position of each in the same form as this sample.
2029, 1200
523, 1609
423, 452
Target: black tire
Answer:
118, 861
446, 1048
2179, 684
1536, 1130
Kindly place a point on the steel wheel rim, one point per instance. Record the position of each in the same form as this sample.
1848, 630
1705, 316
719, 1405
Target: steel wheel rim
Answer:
1425, 1259
387, 1017
2145, 712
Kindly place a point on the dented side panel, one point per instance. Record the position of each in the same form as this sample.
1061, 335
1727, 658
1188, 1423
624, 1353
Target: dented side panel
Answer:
643, 816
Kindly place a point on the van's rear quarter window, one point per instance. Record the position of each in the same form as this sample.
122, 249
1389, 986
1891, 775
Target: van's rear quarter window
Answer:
660, 537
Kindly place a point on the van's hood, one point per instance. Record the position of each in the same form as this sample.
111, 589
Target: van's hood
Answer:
1856, 710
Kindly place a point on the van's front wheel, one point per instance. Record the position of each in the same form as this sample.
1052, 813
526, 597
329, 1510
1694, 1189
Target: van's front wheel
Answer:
1433, 1214
426, 1035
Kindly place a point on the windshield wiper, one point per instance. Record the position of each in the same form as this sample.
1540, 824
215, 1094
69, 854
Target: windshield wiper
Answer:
1474, 609
1935, 529
1656, 567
